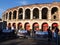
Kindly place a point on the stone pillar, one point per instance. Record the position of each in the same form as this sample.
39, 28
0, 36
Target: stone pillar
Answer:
59, 13
31, 25
4, 17
40, 15
12, 16
39, 26
59, 19
23, 25
16, 26
23, 14
17, 15
31, 16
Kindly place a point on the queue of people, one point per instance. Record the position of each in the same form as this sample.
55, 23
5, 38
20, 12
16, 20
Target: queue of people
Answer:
52, 31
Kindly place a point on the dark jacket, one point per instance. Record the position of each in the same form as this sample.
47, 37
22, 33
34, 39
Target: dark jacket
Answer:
56, 30
49, 33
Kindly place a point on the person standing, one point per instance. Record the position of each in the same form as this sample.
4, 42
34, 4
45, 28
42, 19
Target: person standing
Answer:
55, 31
46, 28
28, 29
49, 35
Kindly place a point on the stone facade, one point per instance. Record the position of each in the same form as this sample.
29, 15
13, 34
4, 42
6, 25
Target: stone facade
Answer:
51, 12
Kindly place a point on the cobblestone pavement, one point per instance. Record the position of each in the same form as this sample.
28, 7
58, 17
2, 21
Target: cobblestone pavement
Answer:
26, 41
22, 41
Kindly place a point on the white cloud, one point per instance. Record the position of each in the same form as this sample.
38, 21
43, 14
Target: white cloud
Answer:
23, 2
1, 11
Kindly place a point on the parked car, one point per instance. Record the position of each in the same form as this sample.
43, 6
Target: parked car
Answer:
22, 33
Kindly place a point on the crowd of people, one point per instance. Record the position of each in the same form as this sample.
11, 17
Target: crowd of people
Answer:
52, 31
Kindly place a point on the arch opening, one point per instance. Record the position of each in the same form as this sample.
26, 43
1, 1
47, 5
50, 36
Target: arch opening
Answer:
14, 14
20, 13
27, 14
35, 26
19, 26
27, 26
54, 9
36, 13
10, 15
54, 25
44, 13
9, 25
14, 25
54, 12
45, 26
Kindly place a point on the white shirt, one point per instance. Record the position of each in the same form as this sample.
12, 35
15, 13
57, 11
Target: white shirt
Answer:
12, 28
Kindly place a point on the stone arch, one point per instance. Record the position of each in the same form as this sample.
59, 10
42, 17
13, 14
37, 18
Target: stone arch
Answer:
20, 7
27, 8
20, 13
35, 7
10, 14
27, 13
55, 12
35, 13
14, 25
35, 26
44, 13
19, 25
14, 14
27, 26
44, 7
54, 25
6, 16
44, 26
54, 6
9, 26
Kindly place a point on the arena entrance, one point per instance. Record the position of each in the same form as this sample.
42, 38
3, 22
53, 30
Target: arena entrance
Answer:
20, 13
14, 25
44, 13
54, 13
35, 26
44, 27
9, 26
27, 26
19, 26
14, 14
54, 25
27, 14
36, 13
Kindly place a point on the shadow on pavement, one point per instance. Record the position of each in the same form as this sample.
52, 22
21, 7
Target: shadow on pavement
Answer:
18, 41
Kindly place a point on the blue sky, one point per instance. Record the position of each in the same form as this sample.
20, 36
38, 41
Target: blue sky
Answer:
6, 4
